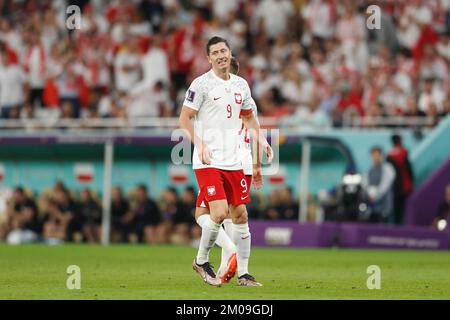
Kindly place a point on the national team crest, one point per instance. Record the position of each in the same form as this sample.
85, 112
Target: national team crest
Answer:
238, 98
211, 190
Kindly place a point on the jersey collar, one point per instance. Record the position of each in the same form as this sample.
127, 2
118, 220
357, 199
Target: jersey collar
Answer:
220, 79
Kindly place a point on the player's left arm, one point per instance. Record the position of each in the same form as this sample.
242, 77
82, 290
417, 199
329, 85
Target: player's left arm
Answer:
252, 125
260, 144
248, 115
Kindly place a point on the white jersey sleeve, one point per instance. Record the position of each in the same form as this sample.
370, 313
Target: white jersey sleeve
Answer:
245, 148
248, 104
194, 95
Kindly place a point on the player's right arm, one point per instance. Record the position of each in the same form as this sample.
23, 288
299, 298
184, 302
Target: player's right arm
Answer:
191, 106
185, 122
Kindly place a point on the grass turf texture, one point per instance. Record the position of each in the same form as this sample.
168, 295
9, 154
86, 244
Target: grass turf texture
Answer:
165, 272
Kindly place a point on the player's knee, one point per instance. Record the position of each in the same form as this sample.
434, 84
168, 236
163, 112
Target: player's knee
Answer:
200, 211
219, 217
240, 217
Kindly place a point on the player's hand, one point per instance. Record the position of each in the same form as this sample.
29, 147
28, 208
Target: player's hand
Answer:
257, 177
205, 154
269, 152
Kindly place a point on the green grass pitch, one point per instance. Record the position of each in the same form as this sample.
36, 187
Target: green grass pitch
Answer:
164, 272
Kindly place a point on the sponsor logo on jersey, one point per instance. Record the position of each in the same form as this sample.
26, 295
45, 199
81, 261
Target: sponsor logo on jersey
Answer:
211, 190
238, 98
190, 96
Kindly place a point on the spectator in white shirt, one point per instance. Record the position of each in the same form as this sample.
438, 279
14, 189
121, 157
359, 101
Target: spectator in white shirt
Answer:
11, 36
127, 65
155, 66
275, 16
12, 81
35, 67
149, 102
443, 46
351, 32
431, 94
318, 18
221, 8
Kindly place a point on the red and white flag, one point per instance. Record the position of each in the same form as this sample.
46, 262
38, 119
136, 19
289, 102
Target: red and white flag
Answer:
179, 174
84, 172
279, 178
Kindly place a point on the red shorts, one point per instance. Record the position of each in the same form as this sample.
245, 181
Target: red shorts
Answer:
217, 184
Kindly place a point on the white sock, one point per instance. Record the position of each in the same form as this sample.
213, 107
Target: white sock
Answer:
242, 239
228, 228
202, 220
223, 240
210, 230
228, 248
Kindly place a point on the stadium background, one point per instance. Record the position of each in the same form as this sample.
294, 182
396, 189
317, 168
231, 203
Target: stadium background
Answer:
85, 110
317, 73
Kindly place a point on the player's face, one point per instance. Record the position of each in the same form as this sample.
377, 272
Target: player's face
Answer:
219, 56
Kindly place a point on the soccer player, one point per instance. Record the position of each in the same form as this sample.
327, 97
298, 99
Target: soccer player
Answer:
228, 263
218, 100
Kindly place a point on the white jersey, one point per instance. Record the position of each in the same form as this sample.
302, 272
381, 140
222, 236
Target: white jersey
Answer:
219, 104
245, 148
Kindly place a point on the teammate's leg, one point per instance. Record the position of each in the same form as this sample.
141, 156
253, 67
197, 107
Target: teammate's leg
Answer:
227, 251
242, 239
227, 226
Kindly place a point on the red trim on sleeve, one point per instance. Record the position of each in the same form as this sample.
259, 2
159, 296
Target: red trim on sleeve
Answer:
245, 112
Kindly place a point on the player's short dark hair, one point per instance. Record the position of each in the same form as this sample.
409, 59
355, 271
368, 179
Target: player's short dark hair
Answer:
234, 66
215, 40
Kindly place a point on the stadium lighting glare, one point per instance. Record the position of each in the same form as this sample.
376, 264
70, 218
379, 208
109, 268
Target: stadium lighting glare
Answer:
442, 224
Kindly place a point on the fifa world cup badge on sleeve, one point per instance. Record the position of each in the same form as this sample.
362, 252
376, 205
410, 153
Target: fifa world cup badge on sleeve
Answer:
190, 96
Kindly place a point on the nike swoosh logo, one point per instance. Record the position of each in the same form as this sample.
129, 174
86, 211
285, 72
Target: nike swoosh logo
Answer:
245, 237
217, 98
244, 198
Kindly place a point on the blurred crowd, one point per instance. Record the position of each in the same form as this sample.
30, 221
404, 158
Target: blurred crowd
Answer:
59, 215
310, 64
